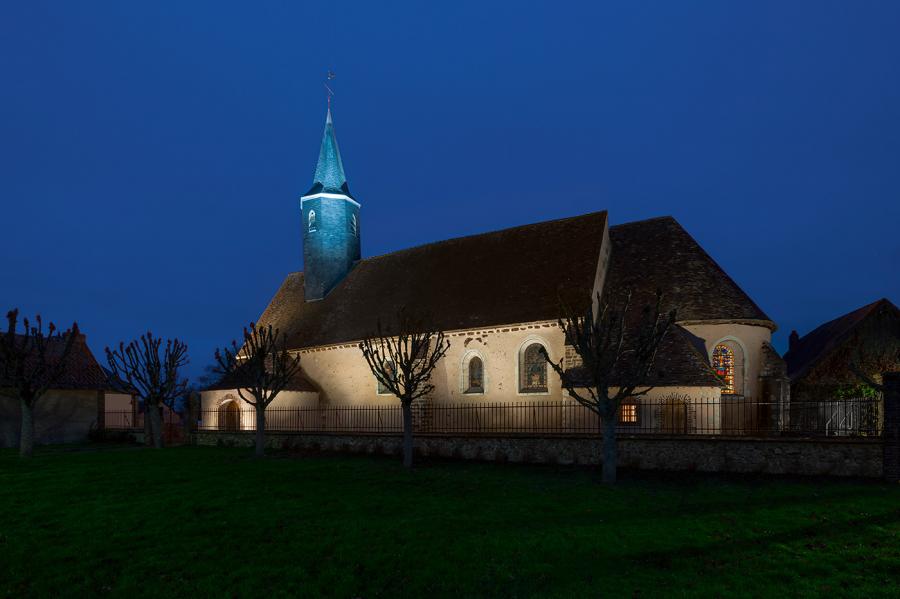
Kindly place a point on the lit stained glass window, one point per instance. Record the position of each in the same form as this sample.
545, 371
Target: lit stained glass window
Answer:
723, 362
533, 370
476, 376
392, 371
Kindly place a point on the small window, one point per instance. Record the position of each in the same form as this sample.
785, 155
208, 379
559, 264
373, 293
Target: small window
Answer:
629, 413
311, 225
382, 390
354, 226
475, 376
533, 370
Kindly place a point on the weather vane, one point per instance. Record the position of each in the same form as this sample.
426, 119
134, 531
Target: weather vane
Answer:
328, 90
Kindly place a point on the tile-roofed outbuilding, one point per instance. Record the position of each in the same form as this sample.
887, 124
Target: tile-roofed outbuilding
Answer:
82, 370
805, 352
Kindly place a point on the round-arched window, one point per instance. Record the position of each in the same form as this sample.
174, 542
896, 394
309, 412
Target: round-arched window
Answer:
533, 370
354, 226
723, 363
475, 376
311, 224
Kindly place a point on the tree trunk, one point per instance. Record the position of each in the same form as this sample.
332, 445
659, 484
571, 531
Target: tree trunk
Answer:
260, 430
156, 425
26, 435
610, 455
407, 435
148, 426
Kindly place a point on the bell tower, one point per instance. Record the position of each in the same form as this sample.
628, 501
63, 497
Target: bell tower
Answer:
330, 222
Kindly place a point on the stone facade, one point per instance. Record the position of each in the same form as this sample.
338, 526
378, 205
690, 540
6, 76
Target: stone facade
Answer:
842, 457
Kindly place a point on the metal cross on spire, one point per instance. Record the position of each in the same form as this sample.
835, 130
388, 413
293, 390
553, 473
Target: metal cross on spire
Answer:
328, 90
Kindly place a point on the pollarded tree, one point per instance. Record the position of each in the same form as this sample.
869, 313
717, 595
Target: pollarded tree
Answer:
259, 369
402, 363
154, 376
617, 355
32, 362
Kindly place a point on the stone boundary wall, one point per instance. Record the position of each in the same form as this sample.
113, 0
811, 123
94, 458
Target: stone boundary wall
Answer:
833, 457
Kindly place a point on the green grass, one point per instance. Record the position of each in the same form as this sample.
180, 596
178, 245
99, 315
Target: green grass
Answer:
216, 522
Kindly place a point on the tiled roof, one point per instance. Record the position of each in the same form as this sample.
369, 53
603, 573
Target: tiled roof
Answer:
679, 362
82, 370
821, 341
297, 383
659, 253
515, 275
519, 275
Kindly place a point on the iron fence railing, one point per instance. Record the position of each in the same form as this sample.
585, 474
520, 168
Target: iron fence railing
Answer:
672, 415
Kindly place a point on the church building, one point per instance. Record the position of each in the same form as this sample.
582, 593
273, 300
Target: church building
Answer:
497, 322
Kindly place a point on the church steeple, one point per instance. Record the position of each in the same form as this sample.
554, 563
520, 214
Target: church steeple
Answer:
330, 222
329, 176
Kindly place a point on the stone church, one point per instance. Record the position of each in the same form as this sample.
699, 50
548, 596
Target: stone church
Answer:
496, 325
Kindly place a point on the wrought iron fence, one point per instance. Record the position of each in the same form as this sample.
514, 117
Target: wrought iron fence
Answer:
671, 415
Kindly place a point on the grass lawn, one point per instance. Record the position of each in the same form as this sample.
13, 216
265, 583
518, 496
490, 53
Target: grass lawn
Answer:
214, 521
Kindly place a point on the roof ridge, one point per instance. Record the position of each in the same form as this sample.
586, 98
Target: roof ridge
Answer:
864, 309
646, 220
484, 234
846, 323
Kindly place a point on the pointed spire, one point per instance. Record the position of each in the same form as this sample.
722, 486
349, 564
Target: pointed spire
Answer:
329, 175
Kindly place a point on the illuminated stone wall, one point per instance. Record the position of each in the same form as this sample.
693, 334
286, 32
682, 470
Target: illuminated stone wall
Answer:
345, 379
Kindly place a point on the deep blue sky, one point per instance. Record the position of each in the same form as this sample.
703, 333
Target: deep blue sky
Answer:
152, 153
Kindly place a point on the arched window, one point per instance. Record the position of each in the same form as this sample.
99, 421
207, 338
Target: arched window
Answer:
312, 221
723, 363
475, 375
532, 370
392, 371
354, 226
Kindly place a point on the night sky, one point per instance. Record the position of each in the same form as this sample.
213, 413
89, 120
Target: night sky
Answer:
152, 154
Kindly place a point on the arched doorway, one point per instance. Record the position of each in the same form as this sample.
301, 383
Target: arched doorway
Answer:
674, 415
229, 416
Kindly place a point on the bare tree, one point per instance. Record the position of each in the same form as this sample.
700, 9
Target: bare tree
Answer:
154, 377
259, 369
617, 356
30, 364
402, 364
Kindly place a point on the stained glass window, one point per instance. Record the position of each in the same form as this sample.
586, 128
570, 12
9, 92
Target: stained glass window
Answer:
382, 390
312, 221
723, 363
476, 376
533, 370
